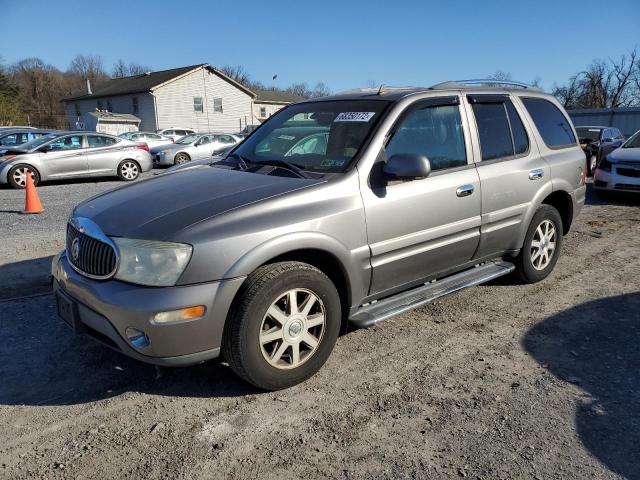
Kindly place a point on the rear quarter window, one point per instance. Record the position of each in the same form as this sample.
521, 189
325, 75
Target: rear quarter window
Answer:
553, 126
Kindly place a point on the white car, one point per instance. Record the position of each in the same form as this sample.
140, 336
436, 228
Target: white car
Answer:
620, 170
197, 146
175, 132
151, 139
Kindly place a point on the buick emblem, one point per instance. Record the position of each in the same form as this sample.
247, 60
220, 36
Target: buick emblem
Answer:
75, 249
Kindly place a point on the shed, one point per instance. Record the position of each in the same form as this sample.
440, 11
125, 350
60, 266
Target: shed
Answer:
109, 122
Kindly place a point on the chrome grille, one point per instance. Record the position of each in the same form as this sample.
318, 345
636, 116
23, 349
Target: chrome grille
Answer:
628, 172
91, 257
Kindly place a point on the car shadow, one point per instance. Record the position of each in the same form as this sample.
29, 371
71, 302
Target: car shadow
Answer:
42, 362
595, 346
611, 198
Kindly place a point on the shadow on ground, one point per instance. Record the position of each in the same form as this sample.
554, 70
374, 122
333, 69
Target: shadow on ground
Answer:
596, 345
42, 362
611, 198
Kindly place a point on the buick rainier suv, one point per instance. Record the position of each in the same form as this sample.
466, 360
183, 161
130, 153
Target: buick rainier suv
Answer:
352, 208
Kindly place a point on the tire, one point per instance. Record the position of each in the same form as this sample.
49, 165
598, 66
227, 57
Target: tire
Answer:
17, 177
531, 265
128, 170
181, 158
270, 362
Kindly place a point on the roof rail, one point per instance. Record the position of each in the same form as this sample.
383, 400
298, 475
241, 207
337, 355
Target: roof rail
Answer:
491, 82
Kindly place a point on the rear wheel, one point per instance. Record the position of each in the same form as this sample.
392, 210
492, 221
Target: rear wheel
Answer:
181, 158
128, 170
18, 176
283, 325
541, 247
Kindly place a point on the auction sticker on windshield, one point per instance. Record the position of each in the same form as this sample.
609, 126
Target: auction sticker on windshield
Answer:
354, 116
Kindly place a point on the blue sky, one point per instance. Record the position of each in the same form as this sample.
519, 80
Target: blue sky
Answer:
342, 43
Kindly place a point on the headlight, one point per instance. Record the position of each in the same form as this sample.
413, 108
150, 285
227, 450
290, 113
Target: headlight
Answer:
147, 262
605, 165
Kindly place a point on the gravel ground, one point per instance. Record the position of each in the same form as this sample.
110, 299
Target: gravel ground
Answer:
502, 381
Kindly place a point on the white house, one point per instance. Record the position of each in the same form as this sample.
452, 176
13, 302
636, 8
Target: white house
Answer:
198, 97
268, 102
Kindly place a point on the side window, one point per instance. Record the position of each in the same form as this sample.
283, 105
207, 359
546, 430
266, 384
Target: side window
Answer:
197, 104
169, 132
72, 142
226, 139
553, 126
217, 105
9, 139
493, 129
520, 138
434, 131
204, 140
153, 136
95, 141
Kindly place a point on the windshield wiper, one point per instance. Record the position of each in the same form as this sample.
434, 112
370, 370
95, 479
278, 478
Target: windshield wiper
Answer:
293, 167
242, 163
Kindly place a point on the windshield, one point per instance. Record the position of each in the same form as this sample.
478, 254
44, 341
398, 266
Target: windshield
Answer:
592, 134
633, 142
35, 143
188, 139
317, 136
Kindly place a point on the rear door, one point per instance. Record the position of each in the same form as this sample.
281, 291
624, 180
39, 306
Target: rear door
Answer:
421, 227
103, 154
510, 168
66, 157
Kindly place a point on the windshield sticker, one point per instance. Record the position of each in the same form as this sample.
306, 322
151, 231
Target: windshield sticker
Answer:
594, 129
286, 137
354, 116
328, 163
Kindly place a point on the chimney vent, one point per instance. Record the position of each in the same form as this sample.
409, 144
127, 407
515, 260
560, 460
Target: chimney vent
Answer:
89, 92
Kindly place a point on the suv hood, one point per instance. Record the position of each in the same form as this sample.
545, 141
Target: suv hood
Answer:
624, 155
160, 207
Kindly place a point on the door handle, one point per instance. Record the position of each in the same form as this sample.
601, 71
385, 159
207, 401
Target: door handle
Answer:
536, 174
464, 190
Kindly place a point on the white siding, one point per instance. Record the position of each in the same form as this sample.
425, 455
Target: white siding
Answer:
175, 103
119, 104
270, 107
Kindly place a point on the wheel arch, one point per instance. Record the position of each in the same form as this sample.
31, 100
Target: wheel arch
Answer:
562, 202
8, 169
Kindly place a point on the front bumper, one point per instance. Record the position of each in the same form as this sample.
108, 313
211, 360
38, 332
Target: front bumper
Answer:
106, 309
161, 158
616, 181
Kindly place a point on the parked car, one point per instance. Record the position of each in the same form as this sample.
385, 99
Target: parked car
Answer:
175, 132
73, 155
151, 139
246, 131
417, 193
11, 138
620, 170
597, 143
195, 146
15, 127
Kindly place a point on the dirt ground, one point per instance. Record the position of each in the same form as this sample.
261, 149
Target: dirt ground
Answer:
501, 381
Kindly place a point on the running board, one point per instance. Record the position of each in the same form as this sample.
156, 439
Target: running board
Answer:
373, 313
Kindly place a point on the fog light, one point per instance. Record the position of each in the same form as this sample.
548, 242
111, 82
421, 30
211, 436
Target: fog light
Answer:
137, 337
182, 315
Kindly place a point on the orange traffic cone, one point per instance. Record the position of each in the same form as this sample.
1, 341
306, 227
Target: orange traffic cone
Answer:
32, 202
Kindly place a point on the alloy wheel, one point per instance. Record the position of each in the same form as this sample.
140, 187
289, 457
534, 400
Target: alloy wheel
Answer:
292, 329
543, 245
20, 175
129, 170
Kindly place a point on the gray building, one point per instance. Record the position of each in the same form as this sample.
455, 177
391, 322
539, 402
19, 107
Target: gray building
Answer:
197, 96
626, 119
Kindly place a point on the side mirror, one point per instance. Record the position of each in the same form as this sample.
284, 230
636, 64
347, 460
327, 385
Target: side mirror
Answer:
44, 149
407, 166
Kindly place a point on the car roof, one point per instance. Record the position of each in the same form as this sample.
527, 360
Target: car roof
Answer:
592, 126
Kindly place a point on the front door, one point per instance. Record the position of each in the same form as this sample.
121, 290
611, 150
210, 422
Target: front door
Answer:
65, 157
202, 148
419, 228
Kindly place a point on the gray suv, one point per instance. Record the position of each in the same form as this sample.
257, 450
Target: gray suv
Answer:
396, 198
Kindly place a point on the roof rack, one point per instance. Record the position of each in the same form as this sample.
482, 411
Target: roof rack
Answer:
489, 82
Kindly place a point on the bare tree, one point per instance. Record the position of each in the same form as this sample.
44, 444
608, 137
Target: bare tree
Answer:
237, 73
88, 66
500, 75
320, 90
121, 69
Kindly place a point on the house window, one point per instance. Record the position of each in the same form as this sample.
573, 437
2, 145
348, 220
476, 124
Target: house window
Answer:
100, 106
109, 106
263, 112
77, 109
197, 104
217, 105
134, 102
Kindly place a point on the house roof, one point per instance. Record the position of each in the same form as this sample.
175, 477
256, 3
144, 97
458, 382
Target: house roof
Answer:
147, 82
275, 96
115, 117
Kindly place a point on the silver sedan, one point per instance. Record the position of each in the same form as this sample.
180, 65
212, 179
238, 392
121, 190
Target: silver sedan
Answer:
196, 146
74, 155
620, 170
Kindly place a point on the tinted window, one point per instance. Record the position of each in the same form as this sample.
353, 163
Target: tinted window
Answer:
14, 139
592, 134
72, 142
553, 126
95, 141
434, 131
494, 131
520, 139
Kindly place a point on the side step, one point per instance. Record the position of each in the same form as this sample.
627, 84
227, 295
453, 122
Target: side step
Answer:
373, 313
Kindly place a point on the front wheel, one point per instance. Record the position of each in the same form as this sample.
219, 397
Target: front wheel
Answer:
18, 176
181, 158
128, 170
283, 325
541, 247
